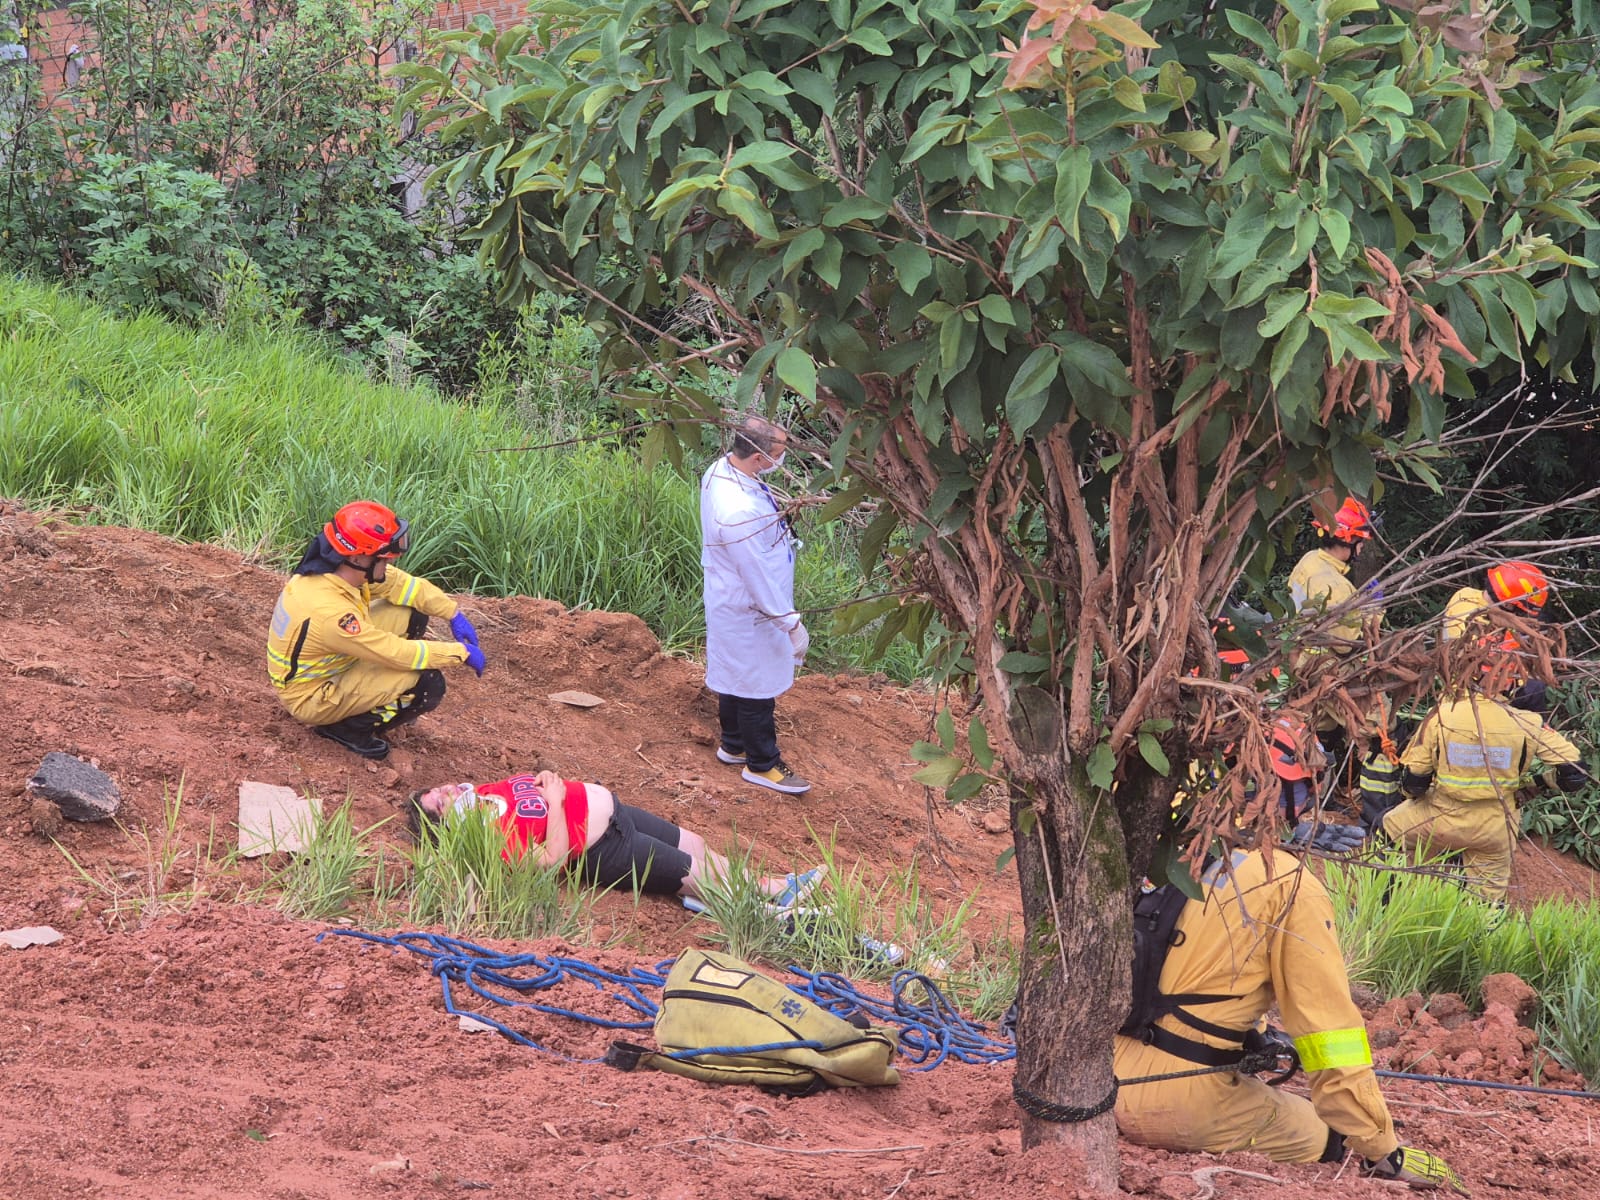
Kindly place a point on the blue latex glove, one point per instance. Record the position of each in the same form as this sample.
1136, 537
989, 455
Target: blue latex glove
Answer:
475, 659
461, 629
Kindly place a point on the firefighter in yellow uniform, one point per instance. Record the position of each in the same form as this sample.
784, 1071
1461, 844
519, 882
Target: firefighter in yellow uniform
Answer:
1521, 588
1264, 936
345, 650
1320, 582
1461, 773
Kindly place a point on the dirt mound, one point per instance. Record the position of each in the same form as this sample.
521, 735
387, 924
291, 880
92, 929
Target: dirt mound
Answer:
218, 1049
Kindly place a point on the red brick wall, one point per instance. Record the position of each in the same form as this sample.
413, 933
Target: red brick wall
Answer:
55, 34
51, 39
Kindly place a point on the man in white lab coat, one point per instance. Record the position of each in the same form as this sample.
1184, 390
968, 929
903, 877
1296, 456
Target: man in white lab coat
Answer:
754, 637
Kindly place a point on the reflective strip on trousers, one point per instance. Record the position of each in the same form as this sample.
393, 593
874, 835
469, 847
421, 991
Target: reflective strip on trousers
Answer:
1334, 1048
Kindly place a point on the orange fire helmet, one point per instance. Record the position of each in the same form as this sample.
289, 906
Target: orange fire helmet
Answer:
1520, 585
1352, 523
367, 527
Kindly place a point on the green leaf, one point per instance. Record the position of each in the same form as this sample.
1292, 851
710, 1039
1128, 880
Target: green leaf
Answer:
797, 369
1072, 184
875, 537
1127, 93
1150, 750
1288, 346
1354, 466
940, 773
1282, 307
1110, 197
1030, 388
996, 308
944, 726
965, 788
1122, 29
1390, 97
978, 739
1098, 364
1020, 662
1003, 858
841, 503
1337, 228
870, 40
1102, 766
912, 264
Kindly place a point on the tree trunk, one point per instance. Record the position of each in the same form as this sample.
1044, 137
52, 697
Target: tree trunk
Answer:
1077, 955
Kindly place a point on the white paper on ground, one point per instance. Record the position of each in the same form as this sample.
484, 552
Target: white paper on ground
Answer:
30, 935
274, 818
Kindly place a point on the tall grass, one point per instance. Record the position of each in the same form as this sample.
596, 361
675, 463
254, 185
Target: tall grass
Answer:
340, 867
460, 880
863, 930
251, 439
1415, 933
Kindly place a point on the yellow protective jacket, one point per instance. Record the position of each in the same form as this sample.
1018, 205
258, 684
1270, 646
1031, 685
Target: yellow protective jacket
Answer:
1320, 582
1262, 937
323, 625
1460, 609
1477, 749
1462, 771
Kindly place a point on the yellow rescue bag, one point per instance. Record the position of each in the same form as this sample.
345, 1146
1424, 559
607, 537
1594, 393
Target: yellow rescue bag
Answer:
722, 1021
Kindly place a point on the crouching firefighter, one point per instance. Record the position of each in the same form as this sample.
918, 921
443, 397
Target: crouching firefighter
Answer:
1205, 973
345, 650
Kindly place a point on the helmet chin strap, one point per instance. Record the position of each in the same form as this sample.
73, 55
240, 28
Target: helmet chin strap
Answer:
372, 566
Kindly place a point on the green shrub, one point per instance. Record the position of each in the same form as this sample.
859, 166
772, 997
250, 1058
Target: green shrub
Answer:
1571, 822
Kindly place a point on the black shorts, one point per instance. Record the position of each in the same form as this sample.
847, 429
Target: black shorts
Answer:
639, 850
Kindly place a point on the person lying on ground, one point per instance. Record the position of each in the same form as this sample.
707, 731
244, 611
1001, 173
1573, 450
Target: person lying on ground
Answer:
609, 843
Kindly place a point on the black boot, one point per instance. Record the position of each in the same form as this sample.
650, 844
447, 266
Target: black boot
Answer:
356, 735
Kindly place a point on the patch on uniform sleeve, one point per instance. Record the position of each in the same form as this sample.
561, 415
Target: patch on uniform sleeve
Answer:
349, 624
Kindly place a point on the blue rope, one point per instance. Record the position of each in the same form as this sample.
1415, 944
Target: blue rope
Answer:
482, 972
931, 1030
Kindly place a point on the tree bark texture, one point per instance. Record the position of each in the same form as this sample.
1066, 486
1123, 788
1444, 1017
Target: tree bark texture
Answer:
1077, 952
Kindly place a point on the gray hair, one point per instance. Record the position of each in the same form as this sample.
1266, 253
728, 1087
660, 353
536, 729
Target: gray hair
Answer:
754, 435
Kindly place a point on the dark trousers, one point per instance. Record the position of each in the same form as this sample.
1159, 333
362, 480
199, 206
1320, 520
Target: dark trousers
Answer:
749, 728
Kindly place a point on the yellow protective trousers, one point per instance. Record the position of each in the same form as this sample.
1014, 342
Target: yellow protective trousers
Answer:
1484, 832
1219, 1113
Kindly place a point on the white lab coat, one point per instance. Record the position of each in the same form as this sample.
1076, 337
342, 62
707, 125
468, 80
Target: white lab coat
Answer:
747, 554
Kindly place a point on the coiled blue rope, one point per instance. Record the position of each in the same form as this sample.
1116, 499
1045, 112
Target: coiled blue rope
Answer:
931, 1030
490, 975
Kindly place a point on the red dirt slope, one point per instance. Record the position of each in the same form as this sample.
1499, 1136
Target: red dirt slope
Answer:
220, 1051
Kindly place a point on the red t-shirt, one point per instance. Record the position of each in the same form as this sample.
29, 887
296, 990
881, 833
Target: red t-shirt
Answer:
524, 815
